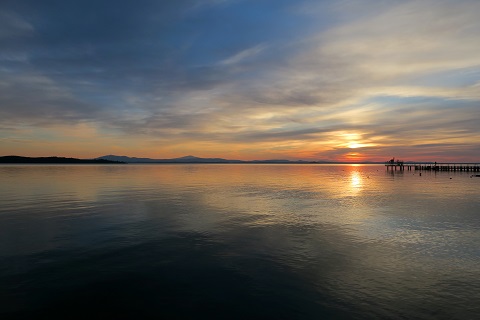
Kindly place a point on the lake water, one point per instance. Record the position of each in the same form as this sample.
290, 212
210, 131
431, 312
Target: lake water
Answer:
238, 242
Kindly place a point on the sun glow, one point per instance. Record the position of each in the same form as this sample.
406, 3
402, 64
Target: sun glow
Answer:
352, 140
354, 145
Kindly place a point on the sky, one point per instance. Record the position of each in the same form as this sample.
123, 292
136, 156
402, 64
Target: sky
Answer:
241, 79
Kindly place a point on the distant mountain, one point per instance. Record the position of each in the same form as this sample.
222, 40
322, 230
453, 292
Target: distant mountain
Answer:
125, 159
54, 160
186, 159
193, 159
281, 161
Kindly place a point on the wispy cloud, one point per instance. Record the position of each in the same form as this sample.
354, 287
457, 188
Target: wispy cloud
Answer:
12, 25
244, 54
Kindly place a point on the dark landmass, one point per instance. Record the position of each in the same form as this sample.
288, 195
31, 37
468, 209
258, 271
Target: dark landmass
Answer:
53, 160
186, 159
113, 159
192, 159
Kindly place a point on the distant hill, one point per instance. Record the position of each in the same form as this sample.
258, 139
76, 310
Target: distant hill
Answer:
125, 159
186, 159
193, 159
54, 160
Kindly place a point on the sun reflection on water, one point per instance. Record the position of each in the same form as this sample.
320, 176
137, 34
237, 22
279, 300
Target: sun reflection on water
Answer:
356, 182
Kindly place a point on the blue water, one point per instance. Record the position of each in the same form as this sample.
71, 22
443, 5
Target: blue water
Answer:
238, 242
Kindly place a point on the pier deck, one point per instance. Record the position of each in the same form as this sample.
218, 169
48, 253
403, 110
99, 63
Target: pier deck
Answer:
400, 165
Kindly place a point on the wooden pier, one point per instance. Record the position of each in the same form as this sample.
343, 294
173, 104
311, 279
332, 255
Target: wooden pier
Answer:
400, 165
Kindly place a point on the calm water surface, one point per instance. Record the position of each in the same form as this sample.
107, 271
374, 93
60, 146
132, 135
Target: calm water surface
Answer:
238, 241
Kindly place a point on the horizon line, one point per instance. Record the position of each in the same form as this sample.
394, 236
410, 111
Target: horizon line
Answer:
239, 161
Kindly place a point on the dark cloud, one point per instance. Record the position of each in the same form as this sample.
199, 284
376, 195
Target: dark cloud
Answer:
98, 51
32, 98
